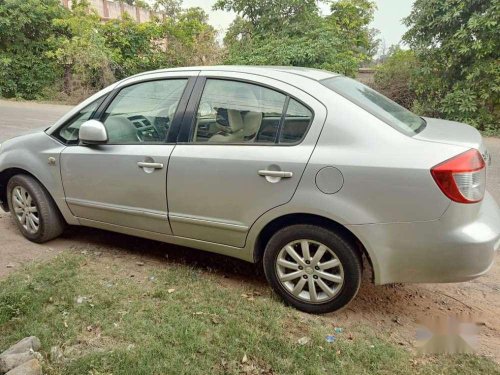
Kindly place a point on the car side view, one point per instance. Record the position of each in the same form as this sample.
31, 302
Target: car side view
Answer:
306, 171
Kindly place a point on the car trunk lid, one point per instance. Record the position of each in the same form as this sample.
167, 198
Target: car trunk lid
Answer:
453, 133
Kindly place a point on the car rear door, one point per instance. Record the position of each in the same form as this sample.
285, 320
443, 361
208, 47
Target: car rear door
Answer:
244, 144
123, 182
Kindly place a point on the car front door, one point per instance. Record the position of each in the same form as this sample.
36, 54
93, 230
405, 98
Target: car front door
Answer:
123, 182
241, 153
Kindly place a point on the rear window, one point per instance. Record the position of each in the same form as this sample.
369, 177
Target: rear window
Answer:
377, 104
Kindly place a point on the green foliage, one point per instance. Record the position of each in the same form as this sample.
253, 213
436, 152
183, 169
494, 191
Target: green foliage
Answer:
457, 44
286, 16
190, 40
350, 19
45, 48
82, 51
132, 46
25, 29
292, 32
186, 39
170, 7
395, 76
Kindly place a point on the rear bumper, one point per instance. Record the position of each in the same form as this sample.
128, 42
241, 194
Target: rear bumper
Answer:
460, 246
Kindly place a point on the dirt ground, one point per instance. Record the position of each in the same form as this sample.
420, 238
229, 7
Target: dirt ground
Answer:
392, 310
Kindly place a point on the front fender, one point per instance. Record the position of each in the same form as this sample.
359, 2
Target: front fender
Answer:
31, 153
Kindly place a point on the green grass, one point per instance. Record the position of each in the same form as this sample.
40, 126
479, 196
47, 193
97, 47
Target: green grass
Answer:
133, 325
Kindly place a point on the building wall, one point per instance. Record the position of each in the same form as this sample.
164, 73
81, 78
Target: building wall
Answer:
109, 9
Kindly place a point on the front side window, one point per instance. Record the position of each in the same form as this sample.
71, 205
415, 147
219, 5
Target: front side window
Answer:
377, 104
238, 112
68, 133
143, 113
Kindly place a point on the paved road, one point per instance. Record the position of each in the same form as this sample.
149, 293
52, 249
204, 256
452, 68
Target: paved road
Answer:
493, 182
20, 117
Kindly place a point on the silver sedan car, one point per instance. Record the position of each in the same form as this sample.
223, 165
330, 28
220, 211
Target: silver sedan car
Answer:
305, 171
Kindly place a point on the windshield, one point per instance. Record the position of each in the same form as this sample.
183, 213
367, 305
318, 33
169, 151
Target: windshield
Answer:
377, 104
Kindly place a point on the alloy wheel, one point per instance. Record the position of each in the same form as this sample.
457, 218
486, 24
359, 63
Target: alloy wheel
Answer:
310, 271
25, 209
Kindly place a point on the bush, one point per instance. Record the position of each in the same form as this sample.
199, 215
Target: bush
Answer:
25, 29
24, 74
132, 46
395, 75
49, 52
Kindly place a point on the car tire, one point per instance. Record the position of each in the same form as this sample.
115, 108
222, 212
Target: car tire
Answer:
310, 287
42, 220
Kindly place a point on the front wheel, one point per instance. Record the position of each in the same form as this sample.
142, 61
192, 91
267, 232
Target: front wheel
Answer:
35, 213
312, 268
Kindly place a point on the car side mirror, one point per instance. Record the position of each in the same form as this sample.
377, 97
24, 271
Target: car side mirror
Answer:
93, 132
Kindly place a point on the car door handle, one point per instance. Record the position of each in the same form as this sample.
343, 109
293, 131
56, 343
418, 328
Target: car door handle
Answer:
281, 174
143, 164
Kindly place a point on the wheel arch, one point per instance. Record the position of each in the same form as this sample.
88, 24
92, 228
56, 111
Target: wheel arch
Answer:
306, 218
6, 175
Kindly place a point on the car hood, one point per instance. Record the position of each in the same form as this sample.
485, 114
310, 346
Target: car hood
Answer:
24, 133
452, 133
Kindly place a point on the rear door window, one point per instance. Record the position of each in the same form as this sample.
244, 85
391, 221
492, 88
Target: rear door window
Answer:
238, 112
234, 112
296, 122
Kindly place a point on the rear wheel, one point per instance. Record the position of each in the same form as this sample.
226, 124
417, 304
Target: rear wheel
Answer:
33, 209
312, 268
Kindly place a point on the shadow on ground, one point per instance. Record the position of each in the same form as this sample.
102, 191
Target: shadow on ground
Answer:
393, 310
154, 250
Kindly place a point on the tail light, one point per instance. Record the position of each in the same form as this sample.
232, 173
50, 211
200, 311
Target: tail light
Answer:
462, 178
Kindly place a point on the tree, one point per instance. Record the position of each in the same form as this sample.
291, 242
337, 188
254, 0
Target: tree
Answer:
457, 44
350, 19
170, 8
133, 46
190, 40
267, 16
82, 51
292, 32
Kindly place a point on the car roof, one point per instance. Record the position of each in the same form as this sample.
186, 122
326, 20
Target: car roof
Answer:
269, 71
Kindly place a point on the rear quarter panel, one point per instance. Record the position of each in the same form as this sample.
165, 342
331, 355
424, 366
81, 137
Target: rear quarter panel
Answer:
386, 173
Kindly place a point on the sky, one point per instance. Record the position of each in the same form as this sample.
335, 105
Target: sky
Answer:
387, 17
